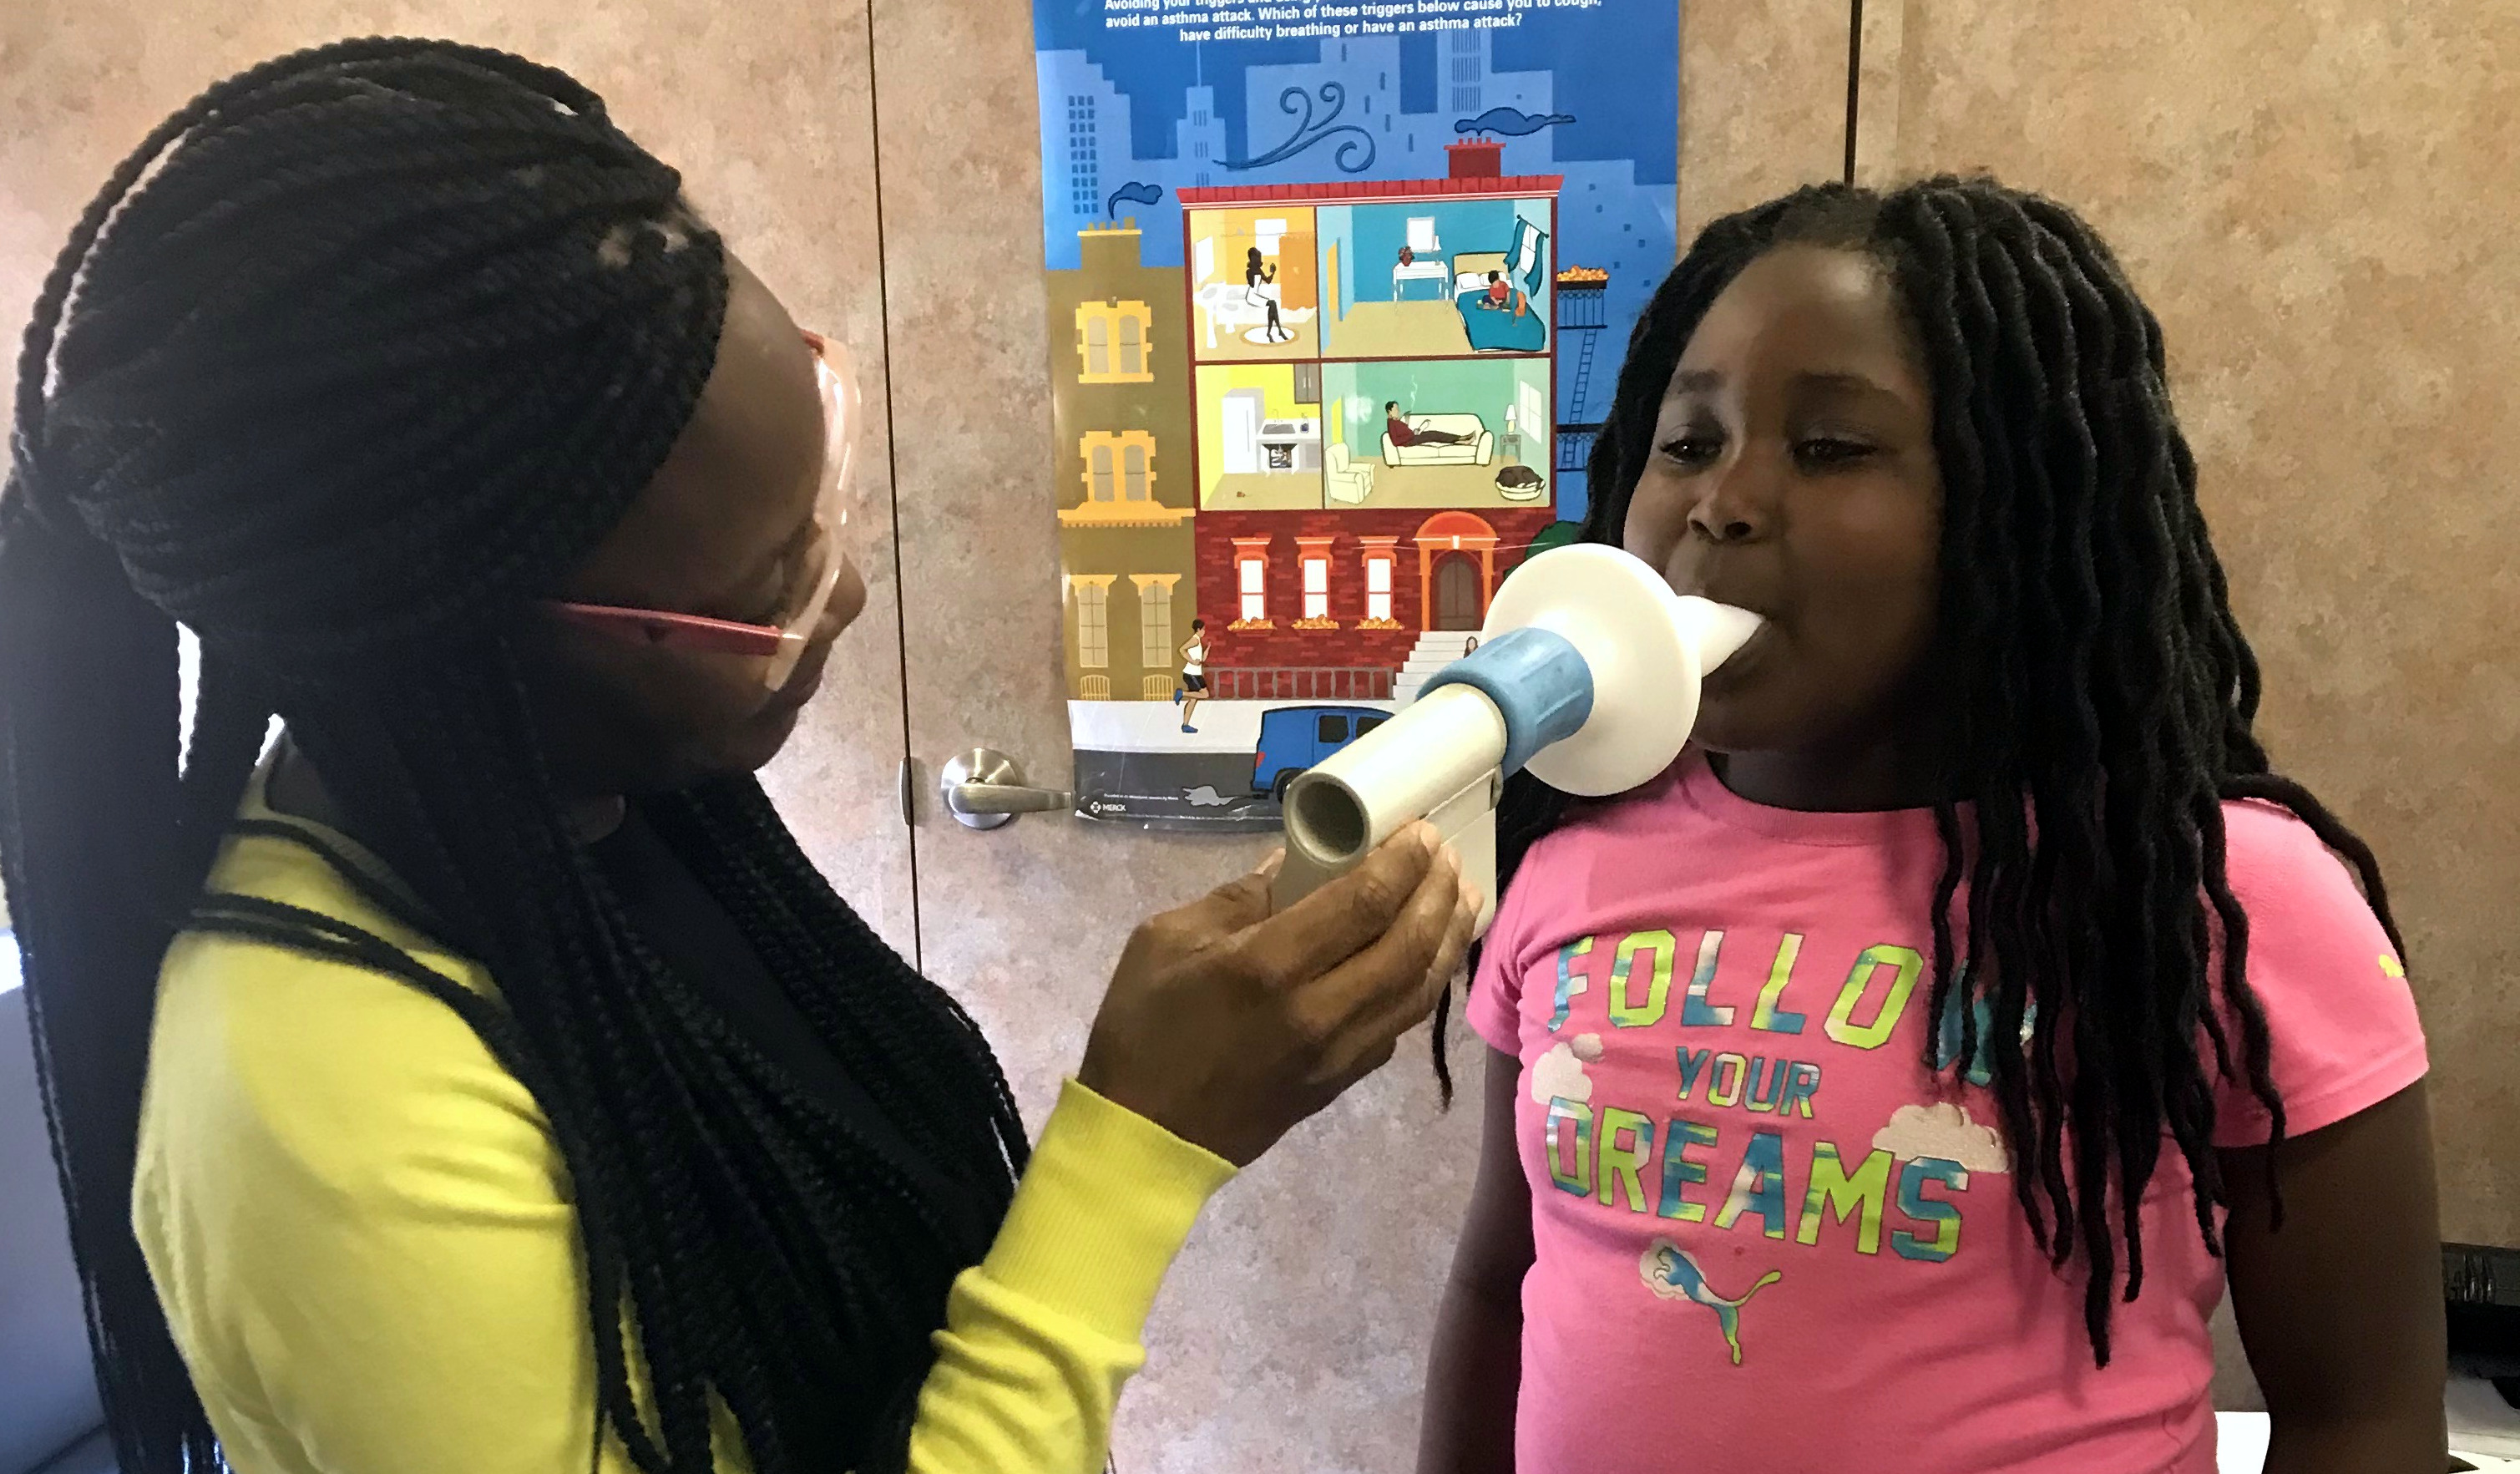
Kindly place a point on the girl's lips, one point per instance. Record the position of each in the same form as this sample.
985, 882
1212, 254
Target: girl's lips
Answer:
1743, 664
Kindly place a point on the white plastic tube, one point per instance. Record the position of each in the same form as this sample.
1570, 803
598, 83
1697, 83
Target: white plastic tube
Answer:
1364, 793
1441, 765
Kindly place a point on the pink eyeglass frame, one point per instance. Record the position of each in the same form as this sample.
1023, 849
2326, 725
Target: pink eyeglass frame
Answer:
783, 644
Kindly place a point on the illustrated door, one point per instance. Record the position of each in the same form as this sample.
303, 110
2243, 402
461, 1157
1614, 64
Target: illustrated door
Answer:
1291, 1336
1240, 441
1457, 593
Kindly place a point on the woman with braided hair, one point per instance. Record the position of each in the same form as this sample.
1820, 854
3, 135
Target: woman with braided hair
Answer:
1895, 1083
518, 1097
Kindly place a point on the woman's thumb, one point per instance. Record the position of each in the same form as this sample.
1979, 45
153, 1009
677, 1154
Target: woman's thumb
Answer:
1244, 901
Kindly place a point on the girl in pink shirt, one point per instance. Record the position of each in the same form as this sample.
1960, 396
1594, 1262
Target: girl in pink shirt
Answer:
1892, 1087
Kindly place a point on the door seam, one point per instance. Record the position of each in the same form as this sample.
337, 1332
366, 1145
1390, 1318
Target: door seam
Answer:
892, 480
1854, 80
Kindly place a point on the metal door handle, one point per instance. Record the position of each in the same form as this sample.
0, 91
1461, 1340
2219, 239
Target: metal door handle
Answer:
984, 788
979, 801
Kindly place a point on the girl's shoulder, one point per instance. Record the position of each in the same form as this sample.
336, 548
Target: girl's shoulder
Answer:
1588, 824
2308, 917
2324, 975
2271, 856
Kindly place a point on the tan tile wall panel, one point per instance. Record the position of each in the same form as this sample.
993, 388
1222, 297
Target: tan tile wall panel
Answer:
1762, 103
2315, 200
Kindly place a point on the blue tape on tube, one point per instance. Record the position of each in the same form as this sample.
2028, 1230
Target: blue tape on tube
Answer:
1537, 680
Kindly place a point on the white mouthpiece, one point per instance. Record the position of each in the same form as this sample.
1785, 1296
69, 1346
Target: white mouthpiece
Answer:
1647, 648
1722, 630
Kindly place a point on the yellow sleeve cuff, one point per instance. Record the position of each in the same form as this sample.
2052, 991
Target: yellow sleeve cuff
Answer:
1104, 1208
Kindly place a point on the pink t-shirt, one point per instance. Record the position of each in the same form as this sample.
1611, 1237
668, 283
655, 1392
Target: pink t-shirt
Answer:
1764, 1235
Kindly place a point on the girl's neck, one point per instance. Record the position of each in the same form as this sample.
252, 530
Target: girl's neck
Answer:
1865, 779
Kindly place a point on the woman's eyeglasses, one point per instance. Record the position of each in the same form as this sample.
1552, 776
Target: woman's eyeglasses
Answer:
783, 644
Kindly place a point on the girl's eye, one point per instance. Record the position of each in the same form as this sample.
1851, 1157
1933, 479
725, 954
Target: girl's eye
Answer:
761, 603
1693, 449
1823, 452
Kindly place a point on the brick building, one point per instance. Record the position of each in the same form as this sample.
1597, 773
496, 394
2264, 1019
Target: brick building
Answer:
1374, 375
1300, 591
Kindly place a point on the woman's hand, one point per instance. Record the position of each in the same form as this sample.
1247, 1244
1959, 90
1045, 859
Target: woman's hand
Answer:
1227, 1025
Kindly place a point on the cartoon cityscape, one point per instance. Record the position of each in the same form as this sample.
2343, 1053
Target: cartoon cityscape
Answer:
1321, 410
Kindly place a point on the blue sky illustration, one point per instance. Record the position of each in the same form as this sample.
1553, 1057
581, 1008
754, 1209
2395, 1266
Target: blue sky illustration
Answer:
1593, 51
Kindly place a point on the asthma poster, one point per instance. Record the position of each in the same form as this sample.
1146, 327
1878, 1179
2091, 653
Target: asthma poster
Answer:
1337, 298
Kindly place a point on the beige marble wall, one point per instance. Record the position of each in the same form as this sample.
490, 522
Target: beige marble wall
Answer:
2315, 197
764, 107
1762, 103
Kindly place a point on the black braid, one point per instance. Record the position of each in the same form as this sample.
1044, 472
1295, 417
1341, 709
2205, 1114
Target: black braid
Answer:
2095, 670
359, 354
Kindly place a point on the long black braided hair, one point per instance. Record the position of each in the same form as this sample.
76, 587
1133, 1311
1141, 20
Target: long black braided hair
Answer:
354, 357
2093, 667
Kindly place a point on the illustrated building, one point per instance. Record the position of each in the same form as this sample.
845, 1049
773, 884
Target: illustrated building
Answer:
1330, 326
1352, 94
1120, 368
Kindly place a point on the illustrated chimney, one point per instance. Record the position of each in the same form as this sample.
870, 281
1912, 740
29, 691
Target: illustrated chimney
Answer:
1475, 157
1109, 249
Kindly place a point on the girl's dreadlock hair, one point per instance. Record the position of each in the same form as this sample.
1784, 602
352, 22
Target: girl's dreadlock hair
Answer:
353, 358
2095, 669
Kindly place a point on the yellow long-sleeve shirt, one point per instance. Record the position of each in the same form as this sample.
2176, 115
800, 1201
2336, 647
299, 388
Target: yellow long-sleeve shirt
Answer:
362, 1231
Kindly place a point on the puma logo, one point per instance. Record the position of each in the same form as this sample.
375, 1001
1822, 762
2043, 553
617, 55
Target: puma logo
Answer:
1669, 1272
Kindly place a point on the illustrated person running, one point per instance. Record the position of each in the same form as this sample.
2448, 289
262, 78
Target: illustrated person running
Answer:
1194, 686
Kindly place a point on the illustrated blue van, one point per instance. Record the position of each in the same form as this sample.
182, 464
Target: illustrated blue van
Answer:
1293, 738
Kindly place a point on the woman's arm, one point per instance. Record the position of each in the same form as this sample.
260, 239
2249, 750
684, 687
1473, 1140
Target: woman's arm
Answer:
1041, 1336
366, 1242
1475, 1370
2341, 1309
